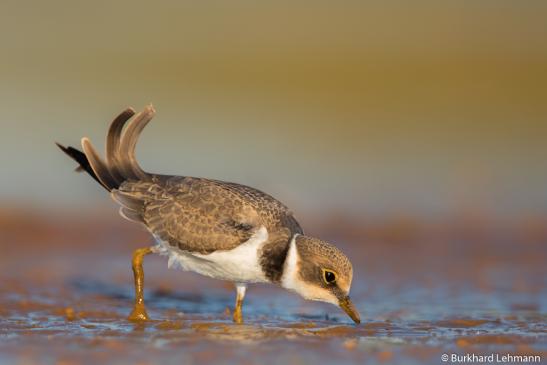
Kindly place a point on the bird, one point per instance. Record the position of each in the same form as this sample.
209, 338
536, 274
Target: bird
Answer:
219, 229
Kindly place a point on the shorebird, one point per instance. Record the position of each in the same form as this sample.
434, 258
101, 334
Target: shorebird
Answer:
218, 229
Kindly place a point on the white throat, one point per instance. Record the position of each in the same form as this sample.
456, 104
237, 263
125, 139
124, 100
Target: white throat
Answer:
290, 280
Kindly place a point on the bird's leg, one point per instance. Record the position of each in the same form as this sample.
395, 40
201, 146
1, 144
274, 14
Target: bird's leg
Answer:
139, 311
238, 317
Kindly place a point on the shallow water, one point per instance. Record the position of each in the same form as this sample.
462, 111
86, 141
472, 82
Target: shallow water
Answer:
65, 294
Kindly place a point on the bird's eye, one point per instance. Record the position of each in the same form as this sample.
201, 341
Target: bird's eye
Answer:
329, 276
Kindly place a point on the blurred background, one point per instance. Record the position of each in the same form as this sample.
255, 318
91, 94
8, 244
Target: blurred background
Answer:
375, 108
412, 134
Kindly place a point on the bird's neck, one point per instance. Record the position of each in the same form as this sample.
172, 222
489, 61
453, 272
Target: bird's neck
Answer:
273, 256
290, 266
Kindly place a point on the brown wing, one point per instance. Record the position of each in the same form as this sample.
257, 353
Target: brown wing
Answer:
276, 215
199, 215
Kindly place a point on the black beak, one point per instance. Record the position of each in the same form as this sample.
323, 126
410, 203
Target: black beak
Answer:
348, 307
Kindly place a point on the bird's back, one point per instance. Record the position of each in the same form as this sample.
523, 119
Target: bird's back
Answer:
202, 215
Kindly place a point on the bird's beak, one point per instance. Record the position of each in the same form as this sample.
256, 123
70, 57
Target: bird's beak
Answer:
348, 307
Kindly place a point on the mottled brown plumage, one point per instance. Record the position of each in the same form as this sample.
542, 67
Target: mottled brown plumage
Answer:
202, 215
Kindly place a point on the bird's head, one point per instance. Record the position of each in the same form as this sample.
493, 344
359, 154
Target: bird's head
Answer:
319, 271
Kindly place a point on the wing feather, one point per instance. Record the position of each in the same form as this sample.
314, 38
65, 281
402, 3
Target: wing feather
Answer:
201, 215
190, 214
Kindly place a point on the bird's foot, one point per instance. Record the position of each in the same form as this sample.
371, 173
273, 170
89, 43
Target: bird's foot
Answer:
138, 314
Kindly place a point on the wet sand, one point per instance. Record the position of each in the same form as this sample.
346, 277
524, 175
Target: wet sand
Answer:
423, 290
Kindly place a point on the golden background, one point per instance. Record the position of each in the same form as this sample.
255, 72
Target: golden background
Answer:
386, 108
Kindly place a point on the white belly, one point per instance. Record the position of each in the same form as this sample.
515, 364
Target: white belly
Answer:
240, 264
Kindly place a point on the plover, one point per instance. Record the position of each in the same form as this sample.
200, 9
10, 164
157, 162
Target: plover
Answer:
218, 229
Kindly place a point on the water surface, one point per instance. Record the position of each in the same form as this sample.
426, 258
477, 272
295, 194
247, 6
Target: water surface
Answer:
422, 291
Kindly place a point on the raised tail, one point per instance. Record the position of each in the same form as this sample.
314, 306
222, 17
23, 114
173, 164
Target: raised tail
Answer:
120, 164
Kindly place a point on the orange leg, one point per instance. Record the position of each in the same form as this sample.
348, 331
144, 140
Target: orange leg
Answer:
138, 313
238, 316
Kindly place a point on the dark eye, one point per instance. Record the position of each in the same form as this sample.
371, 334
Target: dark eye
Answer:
330, 277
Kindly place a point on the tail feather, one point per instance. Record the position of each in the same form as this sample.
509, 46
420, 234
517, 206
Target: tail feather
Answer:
113, 142
128, 165
121, 163
81, 159
98, 165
